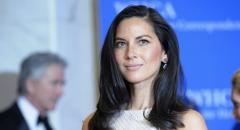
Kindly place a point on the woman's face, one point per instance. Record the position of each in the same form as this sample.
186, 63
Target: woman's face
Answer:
138, 51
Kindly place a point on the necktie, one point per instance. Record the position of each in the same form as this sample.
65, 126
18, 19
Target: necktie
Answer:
44, 121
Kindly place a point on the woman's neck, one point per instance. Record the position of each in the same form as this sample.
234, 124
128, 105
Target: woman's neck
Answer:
141, 97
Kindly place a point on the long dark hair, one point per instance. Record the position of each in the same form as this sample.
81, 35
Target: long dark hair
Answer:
114, 90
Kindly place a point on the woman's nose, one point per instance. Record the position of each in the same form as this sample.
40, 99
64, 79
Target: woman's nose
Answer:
131, 52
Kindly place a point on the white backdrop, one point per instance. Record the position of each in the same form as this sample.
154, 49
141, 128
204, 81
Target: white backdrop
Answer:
64, 27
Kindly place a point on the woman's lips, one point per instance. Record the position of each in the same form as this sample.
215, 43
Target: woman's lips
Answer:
133, 67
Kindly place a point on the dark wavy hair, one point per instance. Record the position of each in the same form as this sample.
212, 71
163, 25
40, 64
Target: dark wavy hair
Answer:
114, 90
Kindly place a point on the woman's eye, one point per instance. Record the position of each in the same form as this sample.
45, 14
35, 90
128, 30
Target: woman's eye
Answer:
120, 44
143, 42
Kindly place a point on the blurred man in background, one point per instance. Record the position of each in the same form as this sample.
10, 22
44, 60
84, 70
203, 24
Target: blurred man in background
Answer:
236, 94
40, 85
236, 97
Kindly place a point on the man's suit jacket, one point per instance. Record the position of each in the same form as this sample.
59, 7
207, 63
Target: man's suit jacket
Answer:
12, 119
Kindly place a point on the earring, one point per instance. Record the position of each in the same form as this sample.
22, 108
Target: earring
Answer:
164, 65
164, 62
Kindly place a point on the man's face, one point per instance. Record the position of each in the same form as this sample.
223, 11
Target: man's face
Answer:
236, 103
46, 91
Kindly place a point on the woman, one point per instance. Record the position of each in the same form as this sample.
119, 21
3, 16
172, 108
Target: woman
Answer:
141, 76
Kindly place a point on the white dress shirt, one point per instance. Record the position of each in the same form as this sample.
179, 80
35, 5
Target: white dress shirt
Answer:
30, 113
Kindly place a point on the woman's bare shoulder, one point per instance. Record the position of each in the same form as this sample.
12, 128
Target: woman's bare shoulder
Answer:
86, 121
193, 120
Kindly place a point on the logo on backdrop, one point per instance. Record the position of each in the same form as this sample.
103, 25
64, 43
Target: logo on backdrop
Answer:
168, 11
215, 103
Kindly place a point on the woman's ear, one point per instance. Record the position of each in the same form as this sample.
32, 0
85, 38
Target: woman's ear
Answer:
165, 58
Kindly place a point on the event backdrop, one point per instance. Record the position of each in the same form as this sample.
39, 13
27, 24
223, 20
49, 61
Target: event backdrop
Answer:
209, 36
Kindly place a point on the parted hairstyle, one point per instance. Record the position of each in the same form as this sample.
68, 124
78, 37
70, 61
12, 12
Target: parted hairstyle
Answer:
35, 65
168, 107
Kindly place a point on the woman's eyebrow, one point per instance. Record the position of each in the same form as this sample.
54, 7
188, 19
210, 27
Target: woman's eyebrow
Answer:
139, 37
